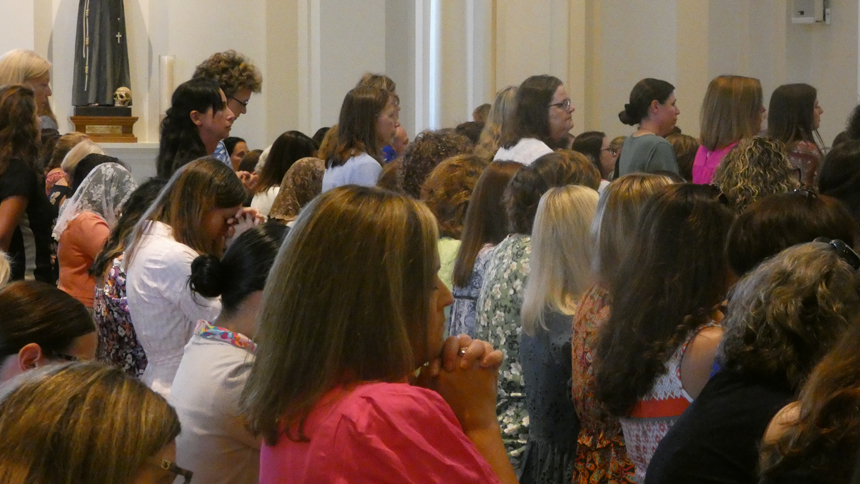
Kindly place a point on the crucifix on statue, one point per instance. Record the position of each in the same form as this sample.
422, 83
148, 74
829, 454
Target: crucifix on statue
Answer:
101, 53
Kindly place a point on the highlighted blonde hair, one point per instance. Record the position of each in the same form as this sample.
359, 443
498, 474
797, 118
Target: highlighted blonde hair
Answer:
753, 169
560, 257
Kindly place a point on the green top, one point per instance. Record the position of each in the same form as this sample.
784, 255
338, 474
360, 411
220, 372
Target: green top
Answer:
647, 153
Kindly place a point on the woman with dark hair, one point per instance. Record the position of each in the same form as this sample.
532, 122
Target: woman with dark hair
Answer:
776, 222
197, 120
85, 225
654, 354
732, 110
323, 387
755, 168
118, 343
426, 151
540, 122
286, 150
601, 456
41, 324
368, 121
237, 148
196, 213
501, 298
25, 213
770, 346
651, 107
595, 145
217, 360
852, 128
94, 424
685, 147
839, 176
793, 117
485, 226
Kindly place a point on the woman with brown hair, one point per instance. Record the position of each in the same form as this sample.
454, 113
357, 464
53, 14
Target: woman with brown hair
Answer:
25, 213
198, 210
485, 226
732, 110
95, 425
793, 117
332, 400
655, 352
301, 183
286, 150
368, 121
652, 107
600, 452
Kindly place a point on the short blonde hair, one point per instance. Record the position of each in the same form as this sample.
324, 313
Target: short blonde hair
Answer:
20, 66
730, 111
80, 422
363, 261
79, 152
560, 256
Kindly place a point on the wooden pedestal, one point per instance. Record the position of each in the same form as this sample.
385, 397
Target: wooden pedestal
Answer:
106, 129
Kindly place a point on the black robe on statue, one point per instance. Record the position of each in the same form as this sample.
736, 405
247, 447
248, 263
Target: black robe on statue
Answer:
101, 53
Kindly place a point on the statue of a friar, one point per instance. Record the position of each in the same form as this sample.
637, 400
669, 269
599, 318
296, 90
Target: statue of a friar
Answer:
101, 53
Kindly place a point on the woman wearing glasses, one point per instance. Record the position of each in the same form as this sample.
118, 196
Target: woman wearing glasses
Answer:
652, 107
121, 432
541, 121
41, 324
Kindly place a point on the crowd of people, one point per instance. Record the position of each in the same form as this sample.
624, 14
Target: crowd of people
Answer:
500, 301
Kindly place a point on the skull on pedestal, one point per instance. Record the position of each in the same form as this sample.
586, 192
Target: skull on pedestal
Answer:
122, 97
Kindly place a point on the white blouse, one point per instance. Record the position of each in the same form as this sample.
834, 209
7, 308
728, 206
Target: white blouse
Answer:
163, 308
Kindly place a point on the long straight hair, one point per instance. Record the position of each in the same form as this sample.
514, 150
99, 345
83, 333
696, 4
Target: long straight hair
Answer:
730, 111
356, 126
486, 220
289, 148
374, 304
192, 191
678, 275
561, 254
790, 114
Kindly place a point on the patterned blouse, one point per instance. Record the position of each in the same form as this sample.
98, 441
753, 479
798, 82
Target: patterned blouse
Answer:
498, 322
656, 412
118, 343
600, 453
806, 158
463, 311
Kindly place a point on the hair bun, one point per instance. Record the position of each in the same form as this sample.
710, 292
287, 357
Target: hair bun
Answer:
627, 117
207, 276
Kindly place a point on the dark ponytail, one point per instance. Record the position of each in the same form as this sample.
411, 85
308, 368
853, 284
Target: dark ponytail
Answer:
242, 270
643, 93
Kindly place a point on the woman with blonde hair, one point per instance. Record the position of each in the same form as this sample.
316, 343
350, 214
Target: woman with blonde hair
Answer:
732, 110
196, 212
29, 68
600, 452
320, 392
755, 168
120, 431
500, 114
559, 274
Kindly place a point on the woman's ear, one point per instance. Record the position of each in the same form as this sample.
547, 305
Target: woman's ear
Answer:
654, 105
195, 118
31, 356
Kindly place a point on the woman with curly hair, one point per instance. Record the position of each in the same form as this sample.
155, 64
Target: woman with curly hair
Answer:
499, 116
754, 168
769, 347
793, 117
447, 192
301, 183
426, 151
654, 354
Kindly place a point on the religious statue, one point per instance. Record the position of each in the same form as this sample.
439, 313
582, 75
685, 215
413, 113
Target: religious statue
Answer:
101, 53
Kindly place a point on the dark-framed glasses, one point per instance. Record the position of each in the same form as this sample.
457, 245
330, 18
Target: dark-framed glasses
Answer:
243, 103
844, 252
174, 469
563, 105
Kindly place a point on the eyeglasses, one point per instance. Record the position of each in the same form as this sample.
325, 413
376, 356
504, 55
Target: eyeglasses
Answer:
563, 105
844, 252
608, 149
172, 468
243, 103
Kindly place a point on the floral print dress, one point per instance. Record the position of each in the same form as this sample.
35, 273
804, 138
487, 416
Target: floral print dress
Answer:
498, 322
118, 343
601, 456
463, 311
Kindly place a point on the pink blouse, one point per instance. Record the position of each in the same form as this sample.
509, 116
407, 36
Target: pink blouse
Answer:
706, 163
378, 433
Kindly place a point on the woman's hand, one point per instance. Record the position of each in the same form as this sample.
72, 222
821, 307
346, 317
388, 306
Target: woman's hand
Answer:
249, 180
460, 351
245, 219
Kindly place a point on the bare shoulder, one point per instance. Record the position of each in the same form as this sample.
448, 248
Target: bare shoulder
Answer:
783, 419
699, 359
